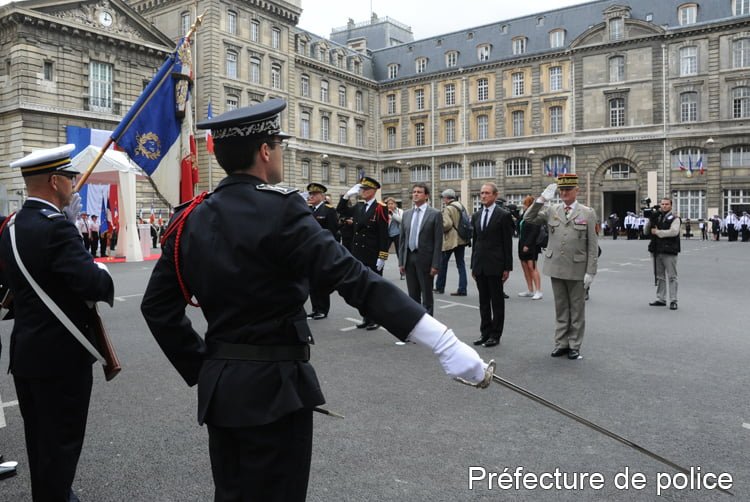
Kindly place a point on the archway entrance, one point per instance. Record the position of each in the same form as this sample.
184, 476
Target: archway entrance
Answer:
620, 203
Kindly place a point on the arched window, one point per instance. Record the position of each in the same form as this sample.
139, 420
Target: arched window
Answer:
555, 165
688, 159
736, 156
451, 171
420, 173
482, 169
519, 166
391, 175
618, 171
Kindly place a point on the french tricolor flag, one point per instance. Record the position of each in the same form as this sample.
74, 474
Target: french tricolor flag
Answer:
82, 137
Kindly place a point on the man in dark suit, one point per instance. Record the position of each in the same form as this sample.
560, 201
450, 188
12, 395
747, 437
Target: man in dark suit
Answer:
256, 387
491, 263
326, 215
51, 369
370, 242
421, 243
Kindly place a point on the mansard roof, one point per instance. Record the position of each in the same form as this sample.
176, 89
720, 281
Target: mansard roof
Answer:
649, 16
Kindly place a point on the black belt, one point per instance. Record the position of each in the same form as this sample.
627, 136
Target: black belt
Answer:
244, 352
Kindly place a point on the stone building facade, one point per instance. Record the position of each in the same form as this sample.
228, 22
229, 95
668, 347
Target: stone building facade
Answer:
642, 99
68, 63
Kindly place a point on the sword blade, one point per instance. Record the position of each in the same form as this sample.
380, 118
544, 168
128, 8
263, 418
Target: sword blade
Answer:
591, 425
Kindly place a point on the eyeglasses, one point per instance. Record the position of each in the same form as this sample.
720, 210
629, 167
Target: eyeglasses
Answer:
72, 177
281, 144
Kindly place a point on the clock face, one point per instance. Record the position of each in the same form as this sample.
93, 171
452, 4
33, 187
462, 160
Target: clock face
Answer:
105, 18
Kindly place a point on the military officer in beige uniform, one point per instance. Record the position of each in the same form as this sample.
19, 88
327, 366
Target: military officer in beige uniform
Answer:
570, 259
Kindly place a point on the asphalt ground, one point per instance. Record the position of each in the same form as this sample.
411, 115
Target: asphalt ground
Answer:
674, 382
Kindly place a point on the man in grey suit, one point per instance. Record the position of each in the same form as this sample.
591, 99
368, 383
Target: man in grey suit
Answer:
491, 263
421, 246
570, 259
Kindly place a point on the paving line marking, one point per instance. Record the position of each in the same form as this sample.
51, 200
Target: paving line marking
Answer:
454, 304
122, 298
746, 425
356, 321
3, 405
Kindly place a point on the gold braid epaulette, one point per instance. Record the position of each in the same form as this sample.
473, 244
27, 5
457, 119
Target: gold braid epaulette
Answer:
383, 255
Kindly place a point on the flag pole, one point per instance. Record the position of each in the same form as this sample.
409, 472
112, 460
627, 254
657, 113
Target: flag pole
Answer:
85, 176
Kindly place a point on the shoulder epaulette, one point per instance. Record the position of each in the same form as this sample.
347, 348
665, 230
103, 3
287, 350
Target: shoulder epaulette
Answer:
52, 215
329, 205
276, 188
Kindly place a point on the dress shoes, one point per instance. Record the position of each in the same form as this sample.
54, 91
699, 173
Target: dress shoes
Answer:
363, 325
492, 342
573, 354
505, 295
311, 315
658, 303
481, 341
673, 306
319, 315
560, 351
458, 293
372, 326
8, 469
438, 291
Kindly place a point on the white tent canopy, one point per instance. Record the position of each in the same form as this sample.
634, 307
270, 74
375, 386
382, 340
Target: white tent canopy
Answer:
115, 168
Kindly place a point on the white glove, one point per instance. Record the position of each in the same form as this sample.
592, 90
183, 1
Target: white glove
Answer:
71, 210
456, 358
353, 190
549, 192
380, 264
587, 280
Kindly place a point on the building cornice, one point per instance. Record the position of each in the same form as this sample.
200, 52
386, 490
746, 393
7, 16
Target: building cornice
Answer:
332, 71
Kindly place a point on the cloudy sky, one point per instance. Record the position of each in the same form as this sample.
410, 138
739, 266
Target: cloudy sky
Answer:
437, 16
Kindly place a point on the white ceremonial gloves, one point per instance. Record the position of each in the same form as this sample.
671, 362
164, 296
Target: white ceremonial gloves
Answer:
353, 191
456, 358
71, 210
380, 264
587, 280
549, 192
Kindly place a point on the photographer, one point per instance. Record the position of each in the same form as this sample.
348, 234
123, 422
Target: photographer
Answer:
664, 229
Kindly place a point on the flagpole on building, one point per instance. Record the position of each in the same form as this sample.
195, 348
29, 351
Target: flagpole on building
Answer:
85, 176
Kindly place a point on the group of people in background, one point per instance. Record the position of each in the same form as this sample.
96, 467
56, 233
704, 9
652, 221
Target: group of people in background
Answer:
94, 240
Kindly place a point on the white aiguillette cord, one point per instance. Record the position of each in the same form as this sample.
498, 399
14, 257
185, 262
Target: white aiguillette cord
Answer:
48, 301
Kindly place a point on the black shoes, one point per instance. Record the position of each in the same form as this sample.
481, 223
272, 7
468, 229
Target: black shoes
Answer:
658, 303
372, 326
505, 295
319, 315
458, 293
438, 291
8, 469
673, 306
573, 354
560, 351
363, 324
492, 342
311, 315
481, 341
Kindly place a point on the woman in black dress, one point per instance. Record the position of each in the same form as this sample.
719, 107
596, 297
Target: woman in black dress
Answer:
528, 252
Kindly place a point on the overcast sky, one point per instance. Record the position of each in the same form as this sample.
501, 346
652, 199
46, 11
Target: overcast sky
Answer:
426, 17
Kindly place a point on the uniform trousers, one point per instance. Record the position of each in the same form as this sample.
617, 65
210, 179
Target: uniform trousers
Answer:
570, 312
419, 281
666, 264
373, 267
263, 463
491, 305
94, 242
54, 411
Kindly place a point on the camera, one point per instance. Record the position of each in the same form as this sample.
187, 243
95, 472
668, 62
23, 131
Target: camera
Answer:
650, 212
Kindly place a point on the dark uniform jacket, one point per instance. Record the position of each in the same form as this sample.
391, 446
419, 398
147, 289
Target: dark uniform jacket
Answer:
249, 254
493, 246
52, 251
370, 240
326, 215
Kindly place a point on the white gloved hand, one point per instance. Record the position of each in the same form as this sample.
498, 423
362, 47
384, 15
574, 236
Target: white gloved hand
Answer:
549, 192
353, 190
380, 264
71, 210
456, 358
587, 280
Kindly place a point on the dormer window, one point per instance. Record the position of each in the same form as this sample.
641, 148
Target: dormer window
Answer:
616, 28
483, 52
451, 59
741, 7
421, 65
687, 14
392, 70
556, 39
519, 45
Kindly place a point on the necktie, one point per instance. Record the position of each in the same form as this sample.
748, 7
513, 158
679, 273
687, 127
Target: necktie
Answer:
486, 217
414, 232
567, 210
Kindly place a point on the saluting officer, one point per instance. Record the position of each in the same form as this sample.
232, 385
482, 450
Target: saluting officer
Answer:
256, 386
326, 215
370, 220
51, 369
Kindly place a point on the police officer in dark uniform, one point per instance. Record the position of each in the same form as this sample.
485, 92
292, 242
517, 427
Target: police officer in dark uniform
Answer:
256, 387
51, 369
326, 215
370, 219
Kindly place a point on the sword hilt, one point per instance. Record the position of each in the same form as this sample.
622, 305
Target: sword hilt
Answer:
485, 382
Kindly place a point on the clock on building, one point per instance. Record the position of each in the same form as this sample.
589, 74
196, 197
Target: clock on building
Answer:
105, 18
